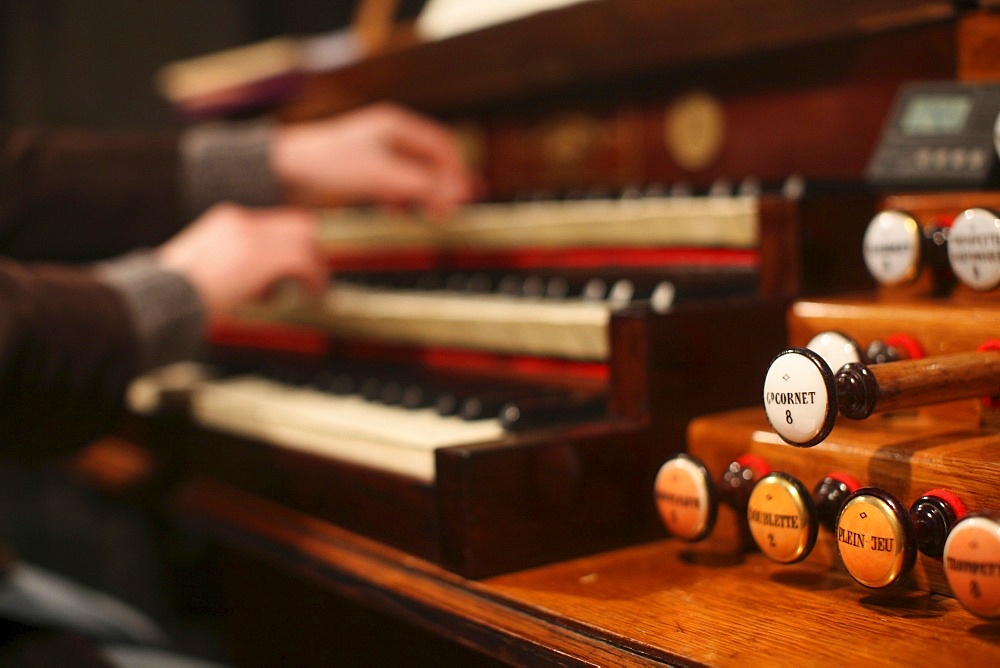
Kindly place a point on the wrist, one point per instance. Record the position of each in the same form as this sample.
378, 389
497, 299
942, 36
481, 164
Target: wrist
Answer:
167, 313
289, 160
229, 162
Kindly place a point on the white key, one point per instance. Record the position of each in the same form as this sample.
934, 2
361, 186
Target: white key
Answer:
342, 427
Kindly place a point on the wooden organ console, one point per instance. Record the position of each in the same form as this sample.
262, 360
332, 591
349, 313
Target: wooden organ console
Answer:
533, 400
901, 404
736, 148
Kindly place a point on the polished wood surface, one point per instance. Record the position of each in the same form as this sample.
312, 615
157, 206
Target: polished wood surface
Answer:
869, 317
804, 88
543, 495
923, 382
924, 436
979, 54
598, 41
584, 98
906, 454
937, 207
658, 603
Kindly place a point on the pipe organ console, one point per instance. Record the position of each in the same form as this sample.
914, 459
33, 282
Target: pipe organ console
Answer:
487, 391
804, 364
915, 431
501, 379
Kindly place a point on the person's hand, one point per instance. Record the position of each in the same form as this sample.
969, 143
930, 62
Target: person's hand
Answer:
232, 254
381, 154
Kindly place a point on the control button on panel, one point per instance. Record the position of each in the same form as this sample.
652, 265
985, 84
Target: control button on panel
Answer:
800, 397
892, 248
686, 498
875, 538
977, 159
972, 564
835, 348
974, 248
782, 518
922, 158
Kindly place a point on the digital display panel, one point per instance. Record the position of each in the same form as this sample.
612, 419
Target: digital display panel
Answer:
935, 114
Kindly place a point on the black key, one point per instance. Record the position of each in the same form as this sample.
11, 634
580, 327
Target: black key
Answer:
547, 411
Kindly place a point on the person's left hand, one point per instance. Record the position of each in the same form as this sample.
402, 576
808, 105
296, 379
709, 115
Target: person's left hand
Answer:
381, 154
233, 255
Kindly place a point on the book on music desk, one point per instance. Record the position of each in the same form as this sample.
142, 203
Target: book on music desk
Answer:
254, 76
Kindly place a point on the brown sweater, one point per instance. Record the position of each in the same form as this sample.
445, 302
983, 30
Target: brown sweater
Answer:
73, 334
68, 341
72, 196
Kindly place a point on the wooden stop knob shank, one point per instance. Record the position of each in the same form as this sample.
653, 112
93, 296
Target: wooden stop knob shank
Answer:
863, 390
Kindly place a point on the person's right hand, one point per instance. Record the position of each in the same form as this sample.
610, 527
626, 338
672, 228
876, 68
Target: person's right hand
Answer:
232, 254
379, 154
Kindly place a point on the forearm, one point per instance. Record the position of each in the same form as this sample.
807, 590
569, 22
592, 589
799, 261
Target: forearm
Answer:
72, 339
167, 315
228, 162
67, 350
76, 196
63, 333
79, 196
75, 331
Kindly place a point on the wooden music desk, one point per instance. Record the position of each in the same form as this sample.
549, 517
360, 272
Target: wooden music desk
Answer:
664, 602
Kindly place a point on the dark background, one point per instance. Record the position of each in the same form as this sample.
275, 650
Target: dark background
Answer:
92, 62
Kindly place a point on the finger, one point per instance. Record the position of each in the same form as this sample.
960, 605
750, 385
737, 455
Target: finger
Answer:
426, 140
437, 155
294, 238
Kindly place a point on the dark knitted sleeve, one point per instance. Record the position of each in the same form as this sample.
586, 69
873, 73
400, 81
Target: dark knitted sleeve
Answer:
79, 196
168, 316
228, 161
67, 351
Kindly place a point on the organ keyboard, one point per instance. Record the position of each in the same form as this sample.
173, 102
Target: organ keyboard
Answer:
390, 417
699, 246
396, 439
635, 220
588, 401
546, 455
556, 315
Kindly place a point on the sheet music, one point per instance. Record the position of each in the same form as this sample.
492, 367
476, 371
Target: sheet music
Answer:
446, 18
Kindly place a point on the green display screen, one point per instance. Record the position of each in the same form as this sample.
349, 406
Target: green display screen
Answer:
935, 114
